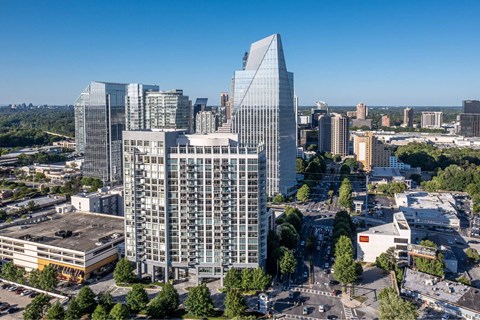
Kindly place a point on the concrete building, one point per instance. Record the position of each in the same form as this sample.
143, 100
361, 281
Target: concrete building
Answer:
264, 111
386, 120
79, 245
408, 117
206, 122
362, 123
167, 110
195, 205
376, 240
135, 108
429, 210
456, 299
394, 162
105, 200
362, 111
224, 99
340, 134
432, 119
370, 151
352, 114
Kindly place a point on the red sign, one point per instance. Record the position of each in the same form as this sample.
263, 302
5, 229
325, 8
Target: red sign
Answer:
364, 239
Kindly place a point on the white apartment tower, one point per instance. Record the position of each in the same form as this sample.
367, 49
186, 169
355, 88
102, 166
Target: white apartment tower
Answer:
167, 110
263, 111
195, 205
135, 105
432, 119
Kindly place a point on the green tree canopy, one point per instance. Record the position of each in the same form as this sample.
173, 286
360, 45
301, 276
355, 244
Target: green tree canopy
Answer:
393, 307
55, 312
278, 199
48, 278
86, 300
343, 247
301, 165
386, 260
233, 279
73, 310
235, 304
288, 236
345, 194
100, 313
106, 300
137, 298
345, 270
472, 255
36, 309
288, 263
303, 193
247, 278
199, 303
294, 220
123, 272
165, 303
119, 312
261, 280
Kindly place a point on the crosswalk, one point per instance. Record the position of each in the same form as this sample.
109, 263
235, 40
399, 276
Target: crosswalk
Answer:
348, 313
312, 291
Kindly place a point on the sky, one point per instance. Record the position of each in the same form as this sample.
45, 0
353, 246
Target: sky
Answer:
392, 53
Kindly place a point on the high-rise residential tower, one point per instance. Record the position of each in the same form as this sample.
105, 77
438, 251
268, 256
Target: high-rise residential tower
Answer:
370, 151
362, 111
408, 117
263, 111
195, 205
471, 106
224, 99
432, 119
135, 105
324, 133
385, 120
206, 122
167, 110
99, 122
340, 134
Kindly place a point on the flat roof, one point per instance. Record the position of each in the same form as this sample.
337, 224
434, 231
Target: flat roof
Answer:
87, 230
385, 229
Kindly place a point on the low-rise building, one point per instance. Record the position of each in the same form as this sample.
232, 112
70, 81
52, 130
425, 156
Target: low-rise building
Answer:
447, 296
429, 210
105, 200
79, 245
376, 240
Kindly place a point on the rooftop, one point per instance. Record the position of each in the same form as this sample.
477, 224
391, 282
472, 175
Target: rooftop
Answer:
385, 172
385, 229
87, 230
444, 290
424, 205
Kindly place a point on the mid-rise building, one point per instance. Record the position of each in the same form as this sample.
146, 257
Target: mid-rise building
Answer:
99, 122
105, 200
224, 99
167, 110
340, 134
470, 125
206, 122
370, 151
408, 117
352, 114
324, 133
264, 111
471, 106
135, 110
432, 119
195, 205
362, 111
385, 120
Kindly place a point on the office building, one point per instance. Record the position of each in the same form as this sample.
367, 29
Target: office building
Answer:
385, 120
362, 111
78, 245
99, 122
373, 242
370, 151
408, 117
471, 106
432, 119
470, 125
224, 99
135, 105
340, 134
194, 204
206, 122
105, 200
167, 110
324, 133
264, 111
199, 105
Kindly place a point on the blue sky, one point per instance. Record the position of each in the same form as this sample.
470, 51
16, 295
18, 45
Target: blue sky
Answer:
382, 52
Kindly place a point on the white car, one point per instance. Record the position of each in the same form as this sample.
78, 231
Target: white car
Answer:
321, 308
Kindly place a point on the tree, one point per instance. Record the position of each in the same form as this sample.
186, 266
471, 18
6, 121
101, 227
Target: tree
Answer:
294, 220
303, 193
36, 309
301, 165
345, 194
261, 280
386, 260
34, 278
10, 272
73, 310
472, 255
337, 158
247, 278
106, 300
233, 279
47, 278
235, 304
137, 298
165, 303
278, 199
288, 264
393, 307
343, 247
312, 147
86, 300
345, 270
464, 280
428, 243
100, 313
288, 236
119, 312
123, 272
199, 303
55, 312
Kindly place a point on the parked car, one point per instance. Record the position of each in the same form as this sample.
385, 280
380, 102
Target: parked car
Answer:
334, 282
12, 288
305, 311
33, 294
321, 308
19, 290
5, 286
26, 292
332, 317
4, 306
12, 309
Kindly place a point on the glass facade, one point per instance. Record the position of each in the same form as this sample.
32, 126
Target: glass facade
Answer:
135, 105
263, 111
167, 110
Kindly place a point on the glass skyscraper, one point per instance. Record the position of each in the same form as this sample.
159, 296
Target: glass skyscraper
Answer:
264, 113
135, 105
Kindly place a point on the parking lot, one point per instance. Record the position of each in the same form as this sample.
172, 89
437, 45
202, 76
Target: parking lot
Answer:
14, 300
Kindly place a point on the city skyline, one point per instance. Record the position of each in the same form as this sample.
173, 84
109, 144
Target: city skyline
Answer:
423, 53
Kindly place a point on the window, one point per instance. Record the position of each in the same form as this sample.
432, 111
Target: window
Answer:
400, 240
